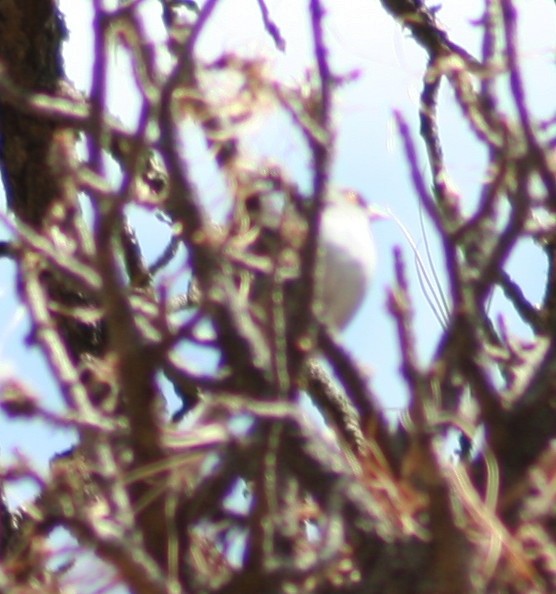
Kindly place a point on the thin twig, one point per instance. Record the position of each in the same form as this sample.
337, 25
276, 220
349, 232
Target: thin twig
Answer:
271, 26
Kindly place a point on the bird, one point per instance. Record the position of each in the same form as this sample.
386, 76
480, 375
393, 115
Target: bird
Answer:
346, 257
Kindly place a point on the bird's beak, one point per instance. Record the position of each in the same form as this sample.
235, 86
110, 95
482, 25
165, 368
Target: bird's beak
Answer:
375, 213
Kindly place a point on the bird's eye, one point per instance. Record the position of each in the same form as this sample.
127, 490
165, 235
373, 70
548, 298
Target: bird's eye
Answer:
353, 197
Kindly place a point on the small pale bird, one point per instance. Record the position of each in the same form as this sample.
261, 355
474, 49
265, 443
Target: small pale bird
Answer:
347, 255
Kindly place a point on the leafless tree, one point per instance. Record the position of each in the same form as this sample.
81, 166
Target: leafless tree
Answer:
362, 509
